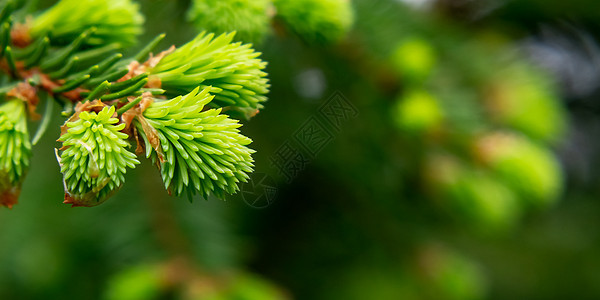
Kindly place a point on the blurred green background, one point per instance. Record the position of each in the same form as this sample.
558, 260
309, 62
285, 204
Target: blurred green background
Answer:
463, 168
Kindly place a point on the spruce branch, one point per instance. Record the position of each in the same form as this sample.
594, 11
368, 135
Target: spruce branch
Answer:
76, 63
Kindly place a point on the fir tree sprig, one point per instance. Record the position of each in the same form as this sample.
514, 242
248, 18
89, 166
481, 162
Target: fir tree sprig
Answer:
95, 156
203, 149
